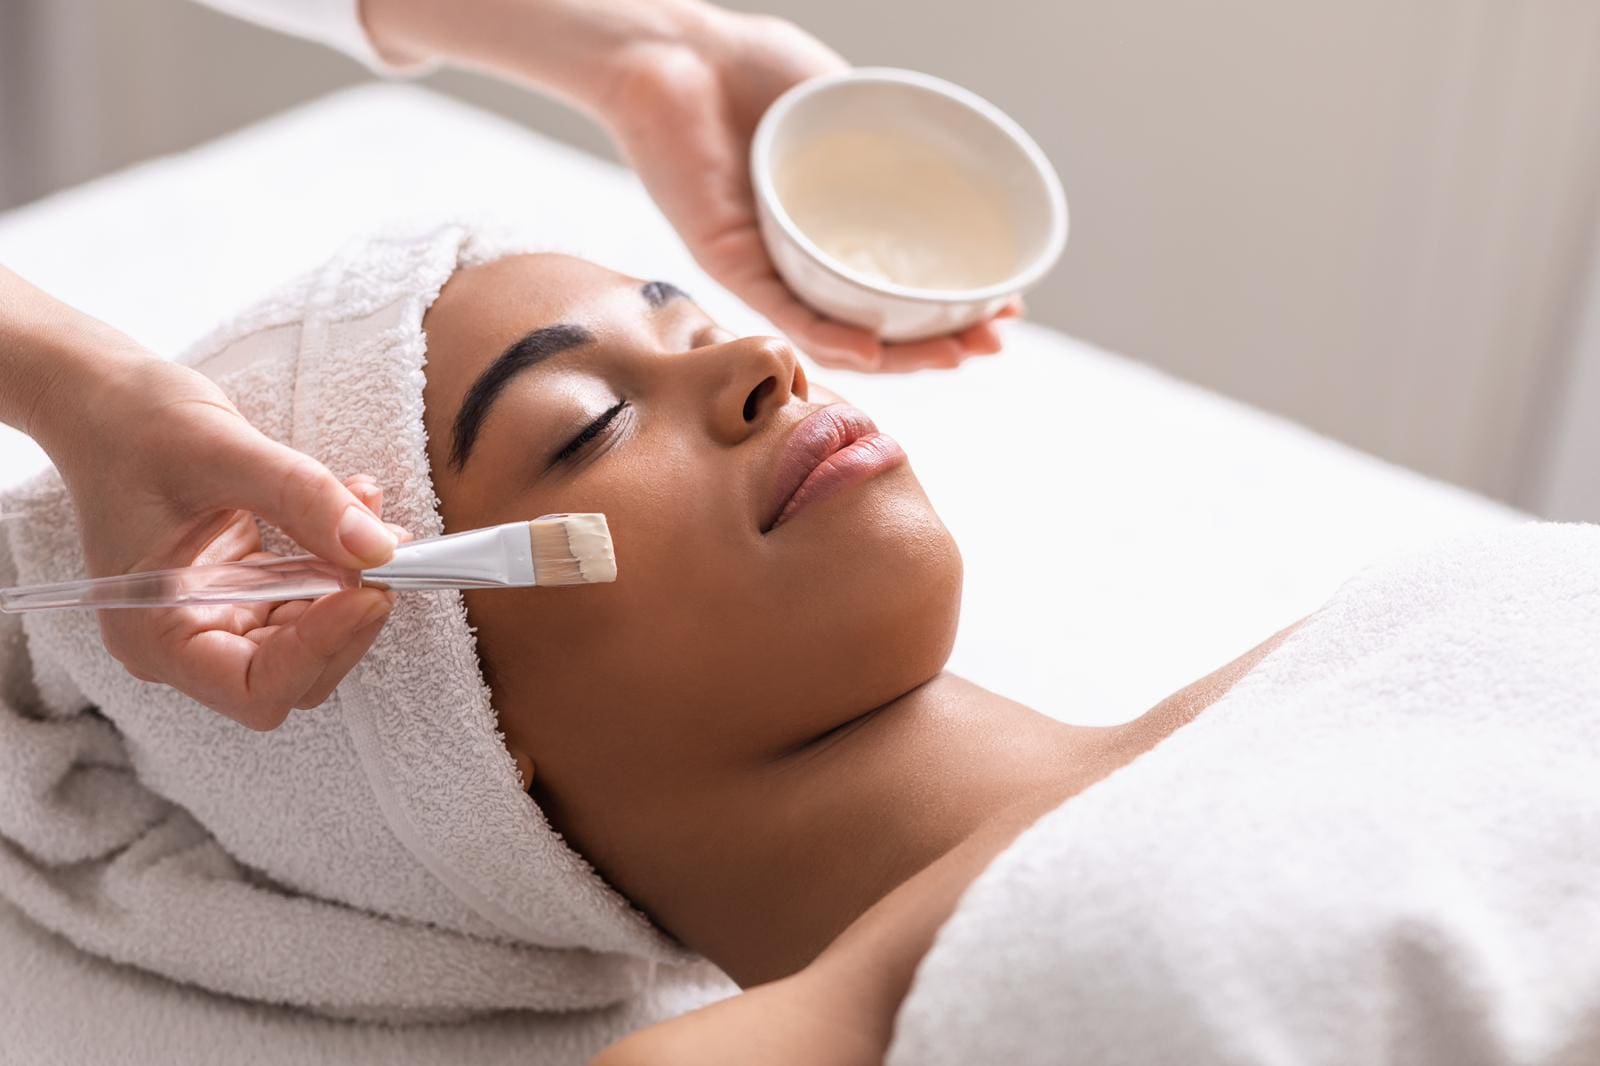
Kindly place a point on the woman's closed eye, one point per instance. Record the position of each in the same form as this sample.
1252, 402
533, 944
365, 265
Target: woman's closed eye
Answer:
576, 445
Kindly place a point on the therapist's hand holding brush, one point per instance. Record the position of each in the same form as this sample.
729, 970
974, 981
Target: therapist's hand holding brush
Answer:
164, 472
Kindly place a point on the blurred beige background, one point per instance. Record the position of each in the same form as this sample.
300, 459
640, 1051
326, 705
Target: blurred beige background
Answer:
1378, 217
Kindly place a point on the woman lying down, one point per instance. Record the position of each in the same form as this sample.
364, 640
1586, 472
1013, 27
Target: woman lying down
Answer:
1374, 838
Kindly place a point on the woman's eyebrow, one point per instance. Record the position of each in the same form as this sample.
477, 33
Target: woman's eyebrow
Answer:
523, 354
657, 293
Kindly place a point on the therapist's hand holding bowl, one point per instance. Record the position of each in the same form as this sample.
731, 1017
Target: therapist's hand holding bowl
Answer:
681, 86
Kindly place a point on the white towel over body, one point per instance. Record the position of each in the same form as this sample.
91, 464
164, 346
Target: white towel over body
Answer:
1383, 846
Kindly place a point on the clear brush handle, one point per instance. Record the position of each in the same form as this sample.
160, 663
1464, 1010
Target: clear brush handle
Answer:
296, 577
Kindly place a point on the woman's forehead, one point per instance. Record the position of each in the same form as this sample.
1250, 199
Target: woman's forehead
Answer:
484, 308
509, 293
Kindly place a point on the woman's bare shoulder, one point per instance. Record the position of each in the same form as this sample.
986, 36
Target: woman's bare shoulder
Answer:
798, 1019
840, 1009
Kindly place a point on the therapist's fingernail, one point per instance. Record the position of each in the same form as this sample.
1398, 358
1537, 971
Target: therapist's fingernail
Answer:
375, 614
363, 535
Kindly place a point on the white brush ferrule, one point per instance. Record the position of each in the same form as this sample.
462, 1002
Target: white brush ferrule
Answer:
494, 557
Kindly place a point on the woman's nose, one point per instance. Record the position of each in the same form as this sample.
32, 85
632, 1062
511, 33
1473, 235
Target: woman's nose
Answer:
754, 377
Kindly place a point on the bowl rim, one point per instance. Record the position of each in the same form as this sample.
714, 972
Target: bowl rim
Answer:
767, 194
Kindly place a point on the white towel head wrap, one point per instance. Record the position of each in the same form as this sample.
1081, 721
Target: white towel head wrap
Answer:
374, 857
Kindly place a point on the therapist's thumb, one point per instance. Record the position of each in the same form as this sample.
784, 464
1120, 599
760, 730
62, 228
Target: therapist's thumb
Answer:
298, 495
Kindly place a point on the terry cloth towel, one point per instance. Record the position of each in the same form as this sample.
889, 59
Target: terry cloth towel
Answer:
374, 858
1382, 846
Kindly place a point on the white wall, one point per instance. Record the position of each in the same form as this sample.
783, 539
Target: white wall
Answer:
1369, 215
1569, 480
1374, 217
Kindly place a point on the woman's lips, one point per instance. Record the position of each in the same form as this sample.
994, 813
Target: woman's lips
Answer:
831, 449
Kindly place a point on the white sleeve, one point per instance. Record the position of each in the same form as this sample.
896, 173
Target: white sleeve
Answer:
336, 23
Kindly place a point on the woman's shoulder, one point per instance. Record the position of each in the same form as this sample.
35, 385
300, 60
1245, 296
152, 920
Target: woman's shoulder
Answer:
839, 1009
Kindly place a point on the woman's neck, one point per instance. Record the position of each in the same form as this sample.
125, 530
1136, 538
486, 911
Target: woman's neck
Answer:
763, 874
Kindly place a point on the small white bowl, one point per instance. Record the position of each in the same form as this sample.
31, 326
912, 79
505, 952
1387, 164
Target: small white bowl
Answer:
960, 129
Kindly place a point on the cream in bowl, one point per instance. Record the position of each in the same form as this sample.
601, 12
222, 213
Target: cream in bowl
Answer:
903, 204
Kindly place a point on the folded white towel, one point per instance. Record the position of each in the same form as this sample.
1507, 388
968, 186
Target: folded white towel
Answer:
1383, 846
373, 858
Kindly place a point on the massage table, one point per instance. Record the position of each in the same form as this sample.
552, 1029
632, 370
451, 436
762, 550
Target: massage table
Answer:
1124, 532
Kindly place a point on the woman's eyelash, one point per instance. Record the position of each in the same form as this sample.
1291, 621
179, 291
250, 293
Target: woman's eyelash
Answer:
590, 432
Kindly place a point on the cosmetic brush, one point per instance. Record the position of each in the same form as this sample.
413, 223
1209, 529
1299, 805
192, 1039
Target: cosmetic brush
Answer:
558, 549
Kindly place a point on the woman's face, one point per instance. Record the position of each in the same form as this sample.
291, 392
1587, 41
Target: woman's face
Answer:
556, 385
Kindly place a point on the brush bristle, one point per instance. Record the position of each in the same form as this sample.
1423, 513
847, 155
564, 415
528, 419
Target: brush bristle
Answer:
572, 549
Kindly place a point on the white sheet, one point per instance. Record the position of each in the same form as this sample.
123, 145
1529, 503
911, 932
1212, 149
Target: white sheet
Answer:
1170, 529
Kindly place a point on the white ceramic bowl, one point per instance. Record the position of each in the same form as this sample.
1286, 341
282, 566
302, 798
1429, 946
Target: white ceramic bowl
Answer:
967, 132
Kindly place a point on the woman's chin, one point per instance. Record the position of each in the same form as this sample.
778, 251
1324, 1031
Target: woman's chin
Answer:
881, 568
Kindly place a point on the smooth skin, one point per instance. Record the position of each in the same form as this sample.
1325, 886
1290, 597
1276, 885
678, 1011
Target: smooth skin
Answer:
751, 735
164, 472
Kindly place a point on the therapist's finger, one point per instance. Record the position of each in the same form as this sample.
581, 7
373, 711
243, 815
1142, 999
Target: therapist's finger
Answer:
364, 487
982, 339
949, 351
341, 664
256, 682
940, 353
828, 342
298, 495
148, 641
367, 491
757, 283
282, 614
834, 344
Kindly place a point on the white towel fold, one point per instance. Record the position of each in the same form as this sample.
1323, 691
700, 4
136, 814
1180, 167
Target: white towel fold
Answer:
372, 858
1382, 846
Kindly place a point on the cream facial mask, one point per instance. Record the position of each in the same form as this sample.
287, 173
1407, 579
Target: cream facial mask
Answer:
898, 209
589, 542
